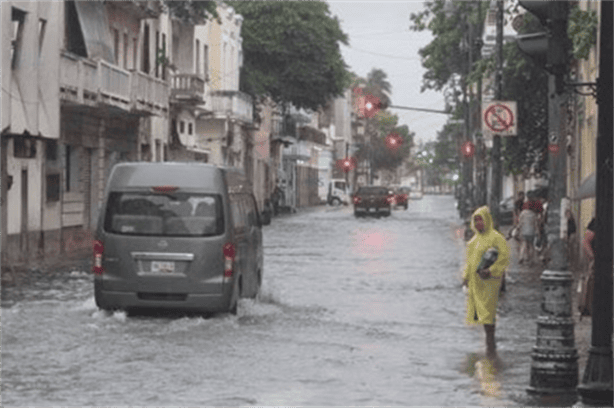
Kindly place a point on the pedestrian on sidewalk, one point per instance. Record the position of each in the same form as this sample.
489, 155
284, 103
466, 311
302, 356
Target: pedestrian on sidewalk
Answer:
483, 285
587, 282
528, 223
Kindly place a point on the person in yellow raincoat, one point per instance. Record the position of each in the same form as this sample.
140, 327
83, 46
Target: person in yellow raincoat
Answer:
483, 286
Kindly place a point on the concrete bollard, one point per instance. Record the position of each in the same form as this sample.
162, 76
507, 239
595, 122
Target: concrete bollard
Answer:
554, 366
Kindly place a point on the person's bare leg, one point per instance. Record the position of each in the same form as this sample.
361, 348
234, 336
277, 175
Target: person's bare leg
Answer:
491, 348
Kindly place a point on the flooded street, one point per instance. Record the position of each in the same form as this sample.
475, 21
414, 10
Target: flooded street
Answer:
352, 312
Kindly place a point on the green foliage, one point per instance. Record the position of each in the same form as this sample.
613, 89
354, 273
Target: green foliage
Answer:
292, 52
582, 31
192, 11
523, 82
447, 53
527, 84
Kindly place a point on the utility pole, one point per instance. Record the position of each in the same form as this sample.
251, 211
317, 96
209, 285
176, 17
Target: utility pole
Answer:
495, 181
480, 176
596, 387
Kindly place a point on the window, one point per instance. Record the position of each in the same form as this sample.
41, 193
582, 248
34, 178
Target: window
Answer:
51, 150
190, 128
158, 54
18, 18
24, 147
116, 45
53, 187
145, 58
206, 62
42, 25
176, 214
181, 126
164, 55
197, 58
68, 167
135, 55
125, 53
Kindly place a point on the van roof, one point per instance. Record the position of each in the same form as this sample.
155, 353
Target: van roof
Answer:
181, 174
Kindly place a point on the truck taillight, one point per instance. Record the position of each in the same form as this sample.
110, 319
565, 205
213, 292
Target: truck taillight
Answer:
229, 257
98, 252
356, 200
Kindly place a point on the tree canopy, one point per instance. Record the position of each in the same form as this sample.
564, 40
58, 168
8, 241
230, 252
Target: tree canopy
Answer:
291, 52
192, 11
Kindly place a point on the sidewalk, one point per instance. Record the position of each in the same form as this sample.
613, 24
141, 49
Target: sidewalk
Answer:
521, 302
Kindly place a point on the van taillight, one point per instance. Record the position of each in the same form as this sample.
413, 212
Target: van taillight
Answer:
229, 257
98, 251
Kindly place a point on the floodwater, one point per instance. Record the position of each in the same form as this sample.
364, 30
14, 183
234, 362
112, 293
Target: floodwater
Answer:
365, 311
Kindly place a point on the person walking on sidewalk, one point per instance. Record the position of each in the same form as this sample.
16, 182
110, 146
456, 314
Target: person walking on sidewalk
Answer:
528, 223
483, 285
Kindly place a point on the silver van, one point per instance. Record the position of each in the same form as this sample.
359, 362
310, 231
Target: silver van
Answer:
183, 236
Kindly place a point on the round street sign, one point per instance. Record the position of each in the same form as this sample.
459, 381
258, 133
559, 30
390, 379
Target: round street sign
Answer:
499, 118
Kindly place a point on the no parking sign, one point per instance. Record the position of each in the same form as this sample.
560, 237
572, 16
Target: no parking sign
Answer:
499, 118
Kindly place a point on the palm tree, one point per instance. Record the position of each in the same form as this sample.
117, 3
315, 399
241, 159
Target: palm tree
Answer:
378, 86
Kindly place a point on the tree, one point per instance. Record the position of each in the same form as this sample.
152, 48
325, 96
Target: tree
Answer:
291, 52
523, 81
192, 11
377, 85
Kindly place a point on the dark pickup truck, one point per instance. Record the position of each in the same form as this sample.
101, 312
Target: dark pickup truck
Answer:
373, 200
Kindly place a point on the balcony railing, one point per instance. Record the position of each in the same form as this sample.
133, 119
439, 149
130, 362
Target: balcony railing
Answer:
188, 88
98, 82
233, 104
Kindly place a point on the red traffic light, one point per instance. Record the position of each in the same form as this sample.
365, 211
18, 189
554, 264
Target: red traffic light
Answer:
468, 150
369, 105
394, 141
346, 164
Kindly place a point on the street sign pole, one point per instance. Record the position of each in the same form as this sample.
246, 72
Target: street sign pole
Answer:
495, 190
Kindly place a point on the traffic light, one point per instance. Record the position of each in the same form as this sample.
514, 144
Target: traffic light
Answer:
549, 48
346, 164
369, 105
468, 150
394, 141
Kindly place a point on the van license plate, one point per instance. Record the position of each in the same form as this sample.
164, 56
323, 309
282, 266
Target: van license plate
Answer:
162, 267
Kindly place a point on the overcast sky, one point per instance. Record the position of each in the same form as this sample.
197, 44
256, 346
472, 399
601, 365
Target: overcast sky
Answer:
379, 37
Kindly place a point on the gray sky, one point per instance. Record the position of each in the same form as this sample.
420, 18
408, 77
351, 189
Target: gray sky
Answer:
379, 37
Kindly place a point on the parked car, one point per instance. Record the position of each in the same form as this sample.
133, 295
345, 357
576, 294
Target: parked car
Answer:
184, 236
373, 200
401, 196
506, 211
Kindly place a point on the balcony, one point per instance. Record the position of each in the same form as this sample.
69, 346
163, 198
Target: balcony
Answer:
231, 104
96, 83
298, 151
188, 88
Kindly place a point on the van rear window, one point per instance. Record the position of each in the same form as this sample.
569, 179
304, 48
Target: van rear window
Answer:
170, 214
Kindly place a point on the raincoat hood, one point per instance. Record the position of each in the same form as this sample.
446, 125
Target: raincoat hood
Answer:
484, 212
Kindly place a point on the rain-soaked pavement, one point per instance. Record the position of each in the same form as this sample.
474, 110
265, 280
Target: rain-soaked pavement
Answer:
352, 312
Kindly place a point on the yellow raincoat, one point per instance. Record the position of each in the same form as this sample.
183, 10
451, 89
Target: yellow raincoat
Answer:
483, 294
